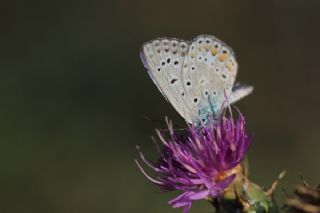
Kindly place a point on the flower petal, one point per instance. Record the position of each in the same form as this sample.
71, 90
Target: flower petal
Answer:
199, 195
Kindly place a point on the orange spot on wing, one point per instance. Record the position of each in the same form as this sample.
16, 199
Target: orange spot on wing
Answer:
229, 66
223, 57
214, 51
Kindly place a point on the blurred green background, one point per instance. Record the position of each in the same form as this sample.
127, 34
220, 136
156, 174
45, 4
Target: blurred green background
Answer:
74, 92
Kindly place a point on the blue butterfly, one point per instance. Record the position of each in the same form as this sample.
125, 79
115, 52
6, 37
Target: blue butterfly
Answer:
195, 77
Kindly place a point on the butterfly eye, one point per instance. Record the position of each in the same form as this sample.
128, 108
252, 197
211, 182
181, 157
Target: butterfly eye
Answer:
193, 67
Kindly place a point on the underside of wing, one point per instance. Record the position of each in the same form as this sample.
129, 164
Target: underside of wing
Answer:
196, 77
239, 91
163, 58
209, 72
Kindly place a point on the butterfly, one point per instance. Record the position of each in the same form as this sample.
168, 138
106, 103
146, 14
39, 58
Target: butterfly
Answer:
196, 76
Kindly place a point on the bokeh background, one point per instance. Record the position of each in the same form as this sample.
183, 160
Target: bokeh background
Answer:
74, 92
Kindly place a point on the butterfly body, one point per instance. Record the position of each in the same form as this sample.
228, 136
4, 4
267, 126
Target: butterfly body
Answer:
195, 77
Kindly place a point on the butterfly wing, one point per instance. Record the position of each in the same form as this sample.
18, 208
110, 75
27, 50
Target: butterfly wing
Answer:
239, 91
163, 58
194, 77
209, 72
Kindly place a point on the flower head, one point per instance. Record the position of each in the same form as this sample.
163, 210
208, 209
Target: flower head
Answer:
202, 162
